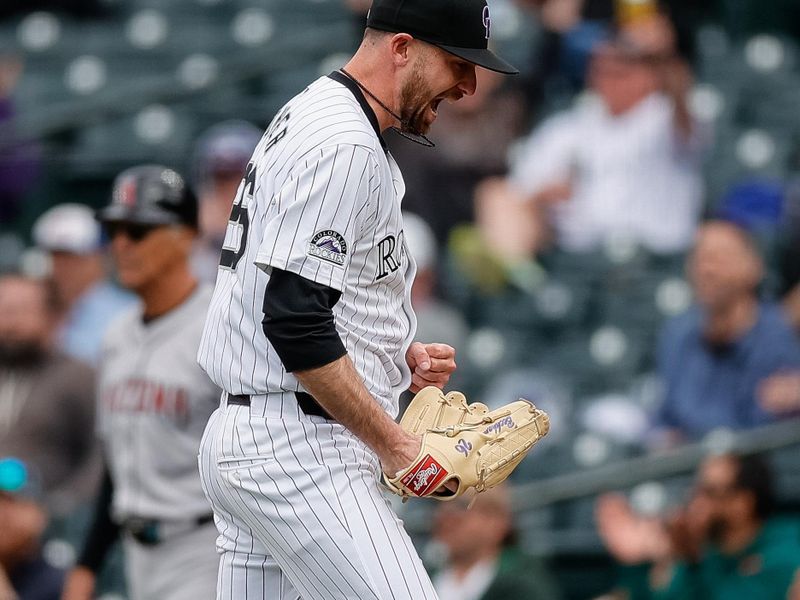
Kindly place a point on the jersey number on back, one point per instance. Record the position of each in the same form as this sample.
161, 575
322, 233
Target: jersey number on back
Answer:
230, 257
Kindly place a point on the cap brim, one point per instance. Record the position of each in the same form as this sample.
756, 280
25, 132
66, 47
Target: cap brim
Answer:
483, 58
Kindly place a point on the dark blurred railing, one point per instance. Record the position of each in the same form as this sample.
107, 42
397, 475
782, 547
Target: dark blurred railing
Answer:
628, 473
631, 472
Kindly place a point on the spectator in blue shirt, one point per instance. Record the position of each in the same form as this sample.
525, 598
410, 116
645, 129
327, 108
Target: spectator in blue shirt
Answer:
714, 358
88, 301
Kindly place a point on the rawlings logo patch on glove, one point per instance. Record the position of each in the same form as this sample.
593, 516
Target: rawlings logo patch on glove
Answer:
465, 444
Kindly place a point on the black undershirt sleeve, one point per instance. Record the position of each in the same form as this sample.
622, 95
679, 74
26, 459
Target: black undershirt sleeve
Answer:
298, 321
104, 532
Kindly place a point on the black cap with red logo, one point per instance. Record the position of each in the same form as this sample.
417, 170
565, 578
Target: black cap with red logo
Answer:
461, 27
151, 195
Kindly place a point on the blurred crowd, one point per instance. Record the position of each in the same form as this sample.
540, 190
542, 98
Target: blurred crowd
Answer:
511, 189
724, 542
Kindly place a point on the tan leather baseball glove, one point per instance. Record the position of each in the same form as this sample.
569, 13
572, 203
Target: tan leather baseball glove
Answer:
465, 444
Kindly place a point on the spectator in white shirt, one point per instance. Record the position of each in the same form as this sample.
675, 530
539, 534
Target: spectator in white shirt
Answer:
624, 162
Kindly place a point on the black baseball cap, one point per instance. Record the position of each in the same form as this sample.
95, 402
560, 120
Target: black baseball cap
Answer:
151, 195
461, 27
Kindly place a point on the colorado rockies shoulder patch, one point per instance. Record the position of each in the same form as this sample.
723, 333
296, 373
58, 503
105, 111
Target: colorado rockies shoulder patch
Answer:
328, 245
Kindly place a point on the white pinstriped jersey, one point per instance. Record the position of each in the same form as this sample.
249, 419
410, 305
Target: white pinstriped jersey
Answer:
321, 198
153, 405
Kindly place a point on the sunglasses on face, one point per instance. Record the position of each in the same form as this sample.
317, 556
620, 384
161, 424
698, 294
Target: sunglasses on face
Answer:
135, 232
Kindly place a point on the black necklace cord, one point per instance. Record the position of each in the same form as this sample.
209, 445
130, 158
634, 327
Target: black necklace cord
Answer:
417, 138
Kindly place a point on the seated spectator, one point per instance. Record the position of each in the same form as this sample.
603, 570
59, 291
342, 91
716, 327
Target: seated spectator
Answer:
482, 559
46, 399
622, 163
221, 157
764, 209
724, 545
88, 301
24, 575
714, 358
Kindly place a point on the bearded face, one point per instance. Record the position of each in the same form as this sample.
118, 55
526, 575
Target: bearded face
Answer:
25, 321
420, 98
415, 102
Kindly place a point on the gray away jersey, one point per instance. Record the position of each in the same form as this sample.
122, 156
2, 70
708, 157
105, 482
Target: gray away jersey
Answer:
154, 402
320, 198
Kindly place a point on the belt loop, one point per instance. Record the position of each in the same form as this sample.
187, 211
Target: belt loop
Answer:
238, 400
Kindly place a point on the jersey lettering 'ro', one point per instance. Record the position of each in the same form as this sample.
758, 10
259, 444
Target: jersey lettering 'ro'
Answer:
320, 198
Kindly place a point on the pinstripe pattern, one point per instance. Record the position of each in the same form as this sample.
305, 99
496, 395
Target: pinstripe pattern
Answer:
299, 498
328, 172
296, 498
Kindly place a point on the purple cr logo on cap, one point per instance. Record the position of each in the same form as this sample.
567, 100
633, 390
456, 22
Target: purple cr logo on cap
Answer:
460, 27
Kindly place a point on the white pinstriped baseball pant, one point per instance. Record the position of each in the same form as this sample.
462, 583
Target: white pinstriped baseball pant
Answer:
299, 511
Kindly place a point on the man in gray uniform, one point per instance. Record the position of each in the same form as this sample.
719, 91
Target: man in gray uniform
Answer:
154, 400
